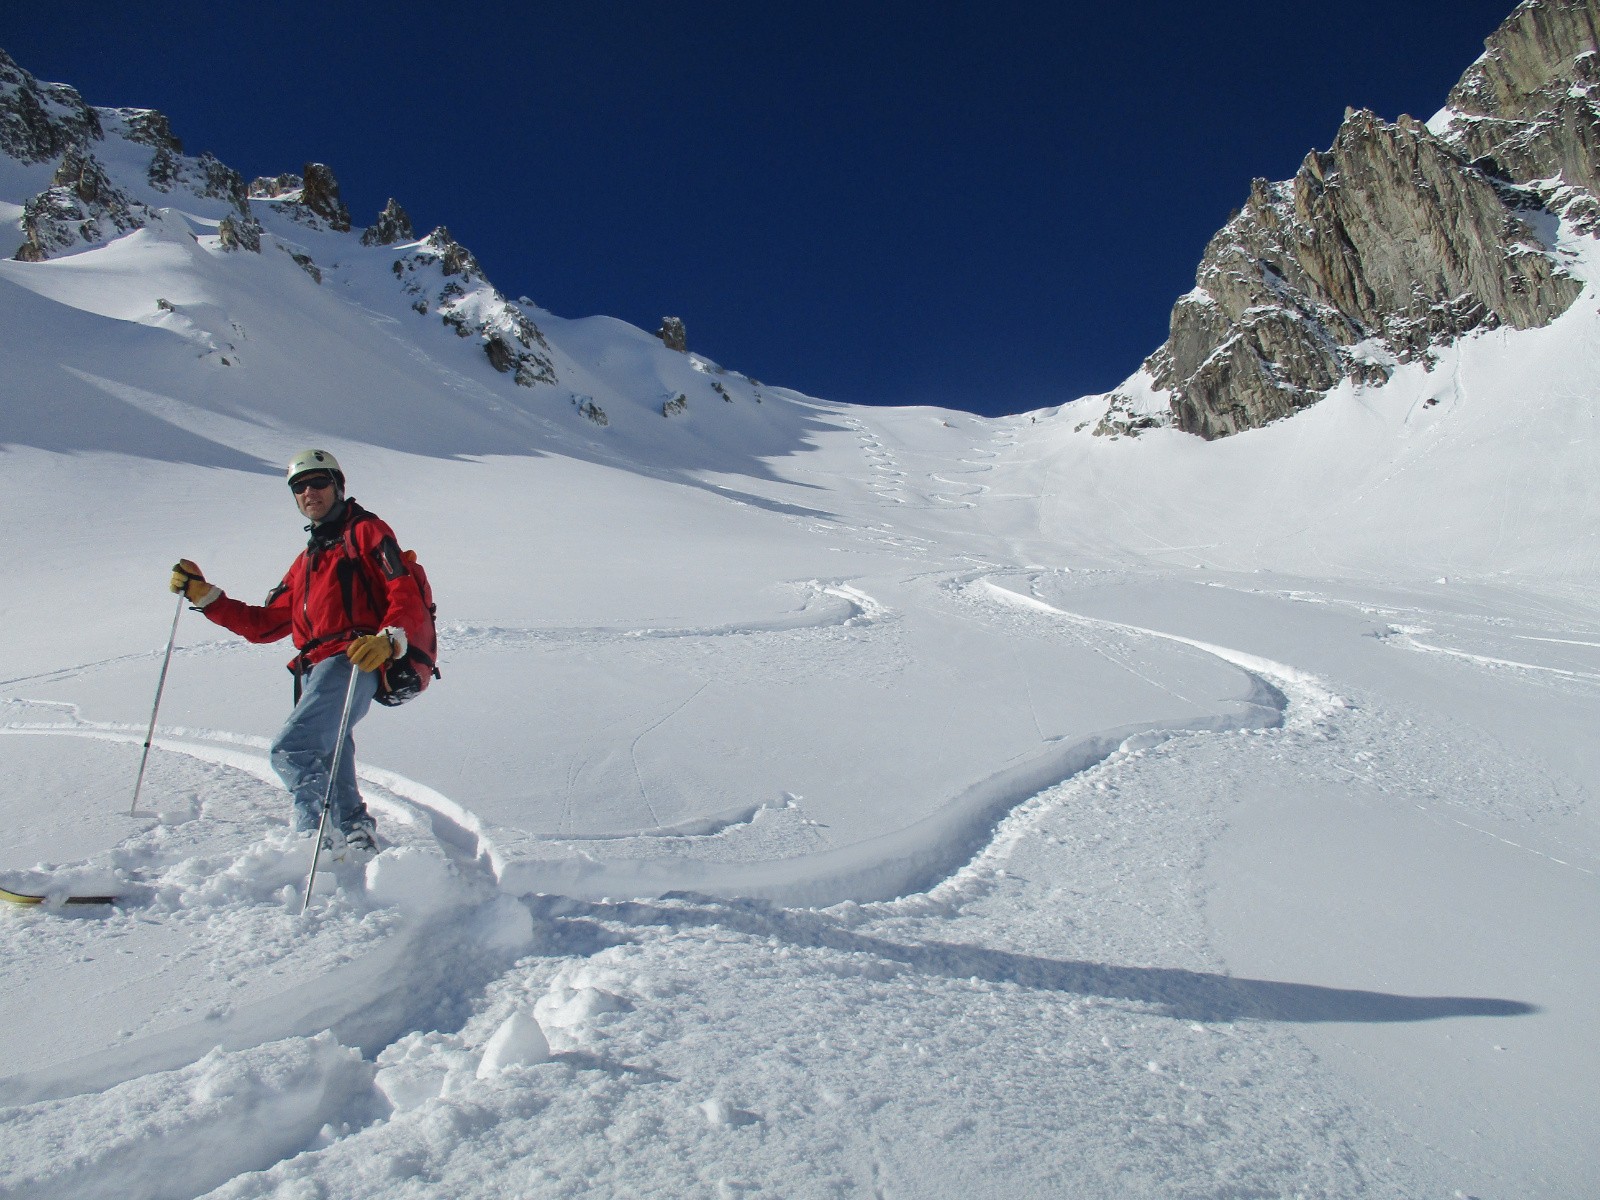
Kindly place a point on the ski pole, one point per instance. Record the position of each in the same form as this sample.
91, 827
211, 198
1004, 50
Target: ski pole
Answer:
161, 684
333, 777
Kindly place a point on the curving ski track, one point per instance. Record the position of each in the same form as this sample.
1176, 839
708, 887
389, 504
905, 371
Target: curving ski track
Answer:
388, 998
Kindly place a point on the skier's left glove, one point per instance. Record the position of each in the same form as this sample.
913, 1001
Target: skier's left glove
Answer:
370, 652
186, 578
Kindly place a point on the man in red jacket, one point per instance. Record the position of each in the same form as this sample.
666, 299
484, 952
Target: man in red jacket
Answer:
347, 602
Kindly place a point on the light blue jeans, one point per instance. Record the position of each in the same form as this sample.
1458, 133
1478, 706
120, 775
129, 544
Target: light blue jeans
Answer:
303, 749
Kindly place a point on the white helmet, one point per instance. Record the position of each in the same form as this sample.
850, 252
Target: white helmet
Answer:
315, 460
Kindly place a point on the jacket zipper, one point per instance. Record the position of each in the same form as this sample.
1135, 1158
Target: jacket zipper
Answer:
305, 593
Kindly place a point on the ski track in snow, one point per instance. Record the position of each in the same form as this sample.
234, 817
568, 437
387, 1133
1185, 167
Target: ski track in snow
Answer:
828, 605
410, 1017
921, 860
1000, 810
322, 1094
851, 973
638, 958
985, 807
1309, 700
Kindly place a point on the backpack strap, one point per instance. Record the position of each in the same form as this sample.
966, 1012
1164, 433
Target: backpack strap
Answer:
359, 568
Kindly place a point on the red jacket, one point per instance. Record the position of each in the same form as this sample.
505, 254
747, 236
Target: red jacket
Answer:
329, 598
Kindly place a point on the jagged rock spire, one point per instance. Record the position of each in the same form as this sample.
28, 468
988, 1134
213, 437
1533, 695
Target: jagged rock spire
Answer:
393, 225
321, 196
673, 335
316, 191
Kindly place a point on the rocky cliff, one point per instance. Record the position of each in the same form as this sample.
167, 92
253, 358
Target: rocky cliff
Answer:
40, 121
1398, 238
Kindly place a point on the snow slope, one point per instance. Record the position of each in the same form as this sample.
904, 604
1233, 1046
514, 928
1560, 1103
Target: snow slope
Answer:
818, 800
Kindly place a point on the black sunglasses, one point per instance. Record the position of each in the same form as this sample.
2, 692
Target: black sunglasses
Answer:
311, 481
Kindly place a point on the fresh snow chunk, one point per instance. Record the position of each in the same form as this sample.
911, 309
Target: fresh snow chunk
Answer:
178, 810
421, 1067
411, 878
408, 1085
719, 1114
519, 1042
563, 1007
503, 924
1143, 741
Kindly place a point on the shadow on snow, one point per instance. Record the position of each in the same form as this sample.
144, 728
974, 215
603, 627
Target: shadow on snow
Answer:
1171, 991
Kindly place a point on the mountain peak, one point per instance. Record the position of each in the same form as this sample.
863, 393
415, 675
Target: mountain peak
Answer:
41, 121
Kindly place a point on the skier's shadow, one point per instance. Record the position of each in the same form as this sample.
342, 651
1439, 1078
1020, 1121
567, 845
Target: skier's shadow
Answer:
1172, 991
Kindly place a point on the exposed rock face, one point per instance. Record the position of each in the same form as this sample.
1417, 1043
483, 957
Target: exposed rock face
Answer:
393, 225
240, 234
1526, 110
321, 196
510, 343
81, 205
591, 411
148, 128
472, 307
311, 198
41, 121
454, 258
204, 176
276, 187
304, 262
1398, 238
673, 335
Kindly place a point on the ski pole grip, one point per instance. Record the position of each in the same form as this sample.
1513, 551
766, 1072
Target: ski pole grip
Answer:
189, 577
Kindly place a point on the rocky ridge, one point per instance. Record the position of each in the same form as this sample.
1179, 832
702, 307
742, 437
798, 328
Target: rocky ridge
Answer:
443, 277
38, 121
110, 172
1400, 237
84, 206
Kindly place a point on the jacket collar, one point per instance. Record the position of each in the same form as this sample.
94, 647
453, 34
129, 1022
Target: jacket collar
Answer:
330, 530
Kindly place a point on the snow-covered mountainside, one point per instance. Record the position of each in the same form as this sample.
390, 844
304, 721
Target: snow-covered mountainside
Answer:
817, 800
76, 178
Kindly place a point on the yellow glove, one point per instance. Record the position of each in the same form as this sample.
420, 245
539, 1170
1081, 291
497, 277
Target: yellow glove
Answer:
370, 652
186, 578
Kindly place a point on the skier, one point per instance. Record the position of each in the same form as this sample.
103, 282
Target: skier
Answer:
347, 601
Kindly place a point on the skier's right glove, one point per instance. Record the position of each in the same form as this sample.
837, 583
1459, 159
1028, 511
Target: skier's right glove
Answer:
370, 652
186, 578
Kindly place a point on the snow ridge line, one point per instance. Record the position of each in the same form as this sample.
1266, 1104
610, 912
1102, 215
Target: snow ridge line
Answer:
715, 825
1309, 698
452, 823
1408, 639
821, 610
1301, 699
927, 858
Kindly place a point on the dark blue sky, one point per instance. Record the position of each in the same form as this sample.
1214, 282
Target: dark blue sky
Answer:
986, 206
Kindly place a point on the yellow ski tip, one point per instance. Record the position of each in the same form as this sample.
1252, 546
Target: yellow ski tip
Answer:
27, 898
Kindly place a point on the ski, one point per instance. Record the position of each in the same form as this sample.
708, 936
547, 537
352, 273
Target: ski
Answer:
28, 898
